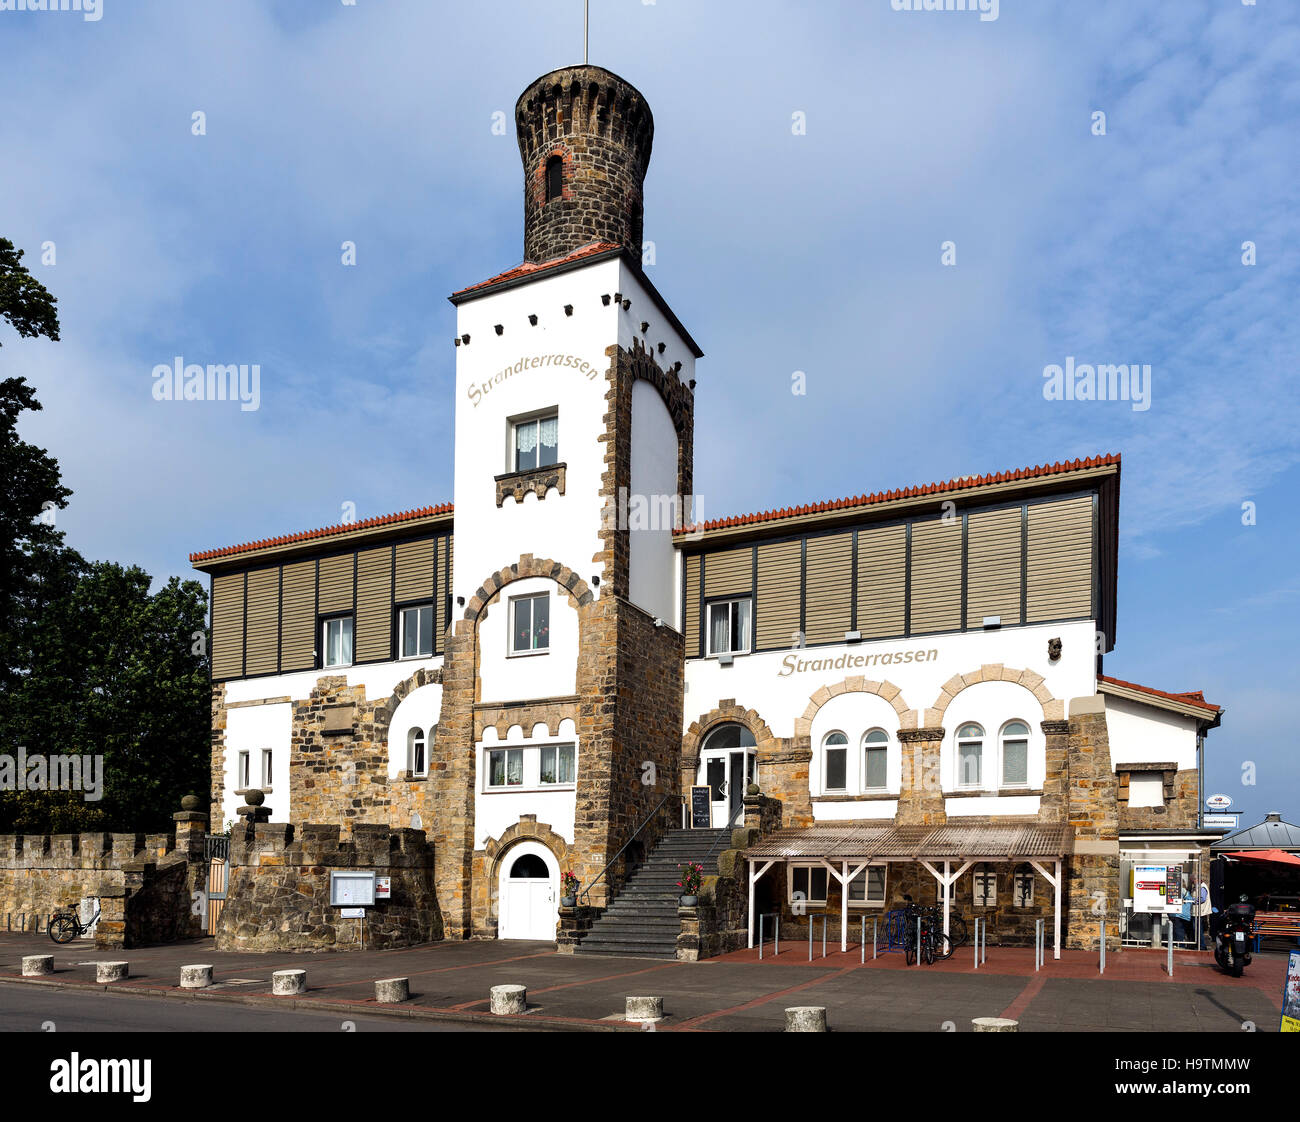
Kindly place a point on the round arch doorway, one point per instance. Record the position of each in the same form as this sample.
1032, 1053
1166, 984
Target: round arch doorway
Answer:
728, 763
529, 893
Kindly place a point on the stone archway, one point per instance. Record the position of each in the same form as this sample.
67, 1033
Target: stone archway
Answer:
1053, 708
495, 856
885, 690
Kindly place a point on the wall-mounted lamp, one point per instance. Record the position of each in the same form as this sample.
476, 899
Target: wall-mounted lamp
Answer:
568, 309
605, 299
532, 320
500, 329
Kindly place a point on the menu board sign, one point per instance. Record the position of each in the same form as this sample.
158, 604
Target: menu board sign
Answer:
1291, 995
701, 807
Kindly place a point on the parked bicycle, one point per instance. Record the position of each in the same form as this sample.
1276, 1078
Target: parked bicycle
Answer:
65, 926
924, 935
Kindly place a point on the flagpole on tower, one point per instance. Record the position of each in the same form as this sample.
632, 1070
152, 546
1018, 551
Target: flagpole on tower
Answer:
586, 24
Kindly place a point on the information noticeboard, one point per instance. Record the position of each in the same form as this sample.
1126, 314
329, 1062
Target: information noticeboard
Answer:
1150, 883
352, 888
701, 807
383, 888
1291, 994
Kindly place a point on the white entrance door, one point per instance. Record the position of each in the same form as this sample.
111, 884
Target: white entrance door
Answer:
529, 893
727, 773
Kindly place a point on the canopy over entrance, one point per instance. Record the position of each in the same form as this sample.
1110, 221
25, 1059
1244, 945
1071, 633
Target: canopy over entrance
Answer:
846, 848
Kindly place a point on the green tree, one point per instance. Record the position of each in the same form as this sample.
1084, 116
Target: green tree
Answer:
90, 661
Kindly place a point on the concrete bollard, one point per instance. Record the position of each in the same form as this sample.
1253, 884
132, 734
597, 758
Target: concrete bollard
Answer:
805, 1018
111, 971
995, 1024
645, 1009
287, 983
509, 999
389, 991
196, 977
36, 964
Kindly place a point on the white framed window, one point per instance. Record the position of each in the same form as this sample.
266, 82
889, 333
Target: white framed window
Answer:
536, 442
417, 762
1015, 754
532, 768
867, 889
970, 756
530, 624
416, 631
556, 765
984, 887
266, 768
729, 626
505, 768
835, 762
875, 760
808, 884
242, 771
336, 641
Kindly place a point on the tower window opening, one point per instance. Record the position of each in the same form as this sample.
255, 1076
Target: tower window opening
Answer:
554, 178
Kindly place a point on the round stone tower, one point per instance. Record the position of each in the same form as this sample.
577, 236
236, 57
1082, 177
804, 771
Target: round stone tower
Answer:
585, 138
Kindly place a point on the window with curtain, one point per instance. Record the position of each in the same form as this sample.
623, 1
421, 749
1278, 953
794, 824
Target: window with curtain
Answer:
506, 768
557, 764
835, 758
970, 755
338, 641
876, 752
1015, 754
729, 626
531, 624
537, 442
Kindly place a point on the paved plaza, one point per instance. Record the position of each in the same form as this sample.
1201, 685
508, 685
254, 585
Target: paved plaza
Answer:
737, 992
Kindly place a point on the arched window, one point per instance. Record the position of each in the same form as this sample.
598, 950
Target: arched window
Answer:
875, 754
729, 736
554, 178
1015, 754
417, 762
528, 866
970, 755
835, 759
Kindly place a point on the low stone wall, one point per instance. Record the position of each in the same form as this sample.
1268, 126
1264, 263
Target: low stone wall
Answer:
145, 882
278, 897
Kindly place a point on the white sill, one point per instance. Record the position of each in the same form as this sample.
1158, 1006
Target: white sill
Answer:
521, 789
337, 666
414, 657
528, 654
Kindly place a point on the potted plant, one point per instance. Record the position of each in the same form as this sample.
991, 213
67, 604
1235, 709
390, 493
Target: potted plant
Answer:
692, 878
568, 889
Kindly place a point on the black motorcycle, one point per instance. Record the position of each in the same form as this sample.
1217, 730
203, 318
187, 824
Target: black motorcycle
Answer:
1233, 933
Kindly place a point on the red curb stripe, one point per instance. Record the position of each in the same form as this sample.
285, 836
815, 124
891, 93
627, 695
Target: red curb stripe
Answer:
1032, 987
753, 1004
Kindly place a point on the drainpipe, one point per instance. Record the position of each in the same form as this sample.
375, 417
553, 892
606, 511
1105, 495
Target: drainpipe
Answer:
1200, 779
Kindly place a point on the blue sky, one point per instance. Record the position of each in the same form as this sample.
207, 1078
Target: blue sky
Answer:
372, 123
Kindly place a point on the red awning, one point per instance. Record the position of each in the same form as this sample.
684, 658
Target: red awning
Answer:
1271, 856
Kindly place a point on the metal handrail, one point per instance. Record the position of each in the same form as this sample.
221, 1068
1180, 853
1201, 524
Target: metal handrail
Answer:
723, 837
585, 893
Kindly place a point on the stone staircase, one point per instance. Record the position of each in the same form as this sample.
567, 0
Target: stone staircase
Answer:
642, 920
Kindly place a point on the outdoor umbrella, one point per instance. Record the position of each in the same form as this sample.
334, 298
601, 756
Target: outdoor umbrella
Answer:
1271, 856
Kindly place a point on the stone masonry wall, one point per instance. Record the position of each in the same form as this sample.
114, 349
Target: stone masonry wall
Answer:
1182, 794
278, 897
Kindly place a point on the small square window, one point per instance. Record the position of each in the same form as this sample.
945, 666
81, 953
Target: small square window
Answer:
417, 631
557, 764
808, 884
506, 768
337, 641
241, 777
536, 442
868, 887
530, 627
729, 626
266, 768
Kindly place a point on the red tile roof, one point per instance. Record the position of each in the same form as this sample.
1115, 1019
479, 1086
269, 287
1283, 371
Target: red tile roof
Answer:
905, 493
530, 268
1191, 697
323, 532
